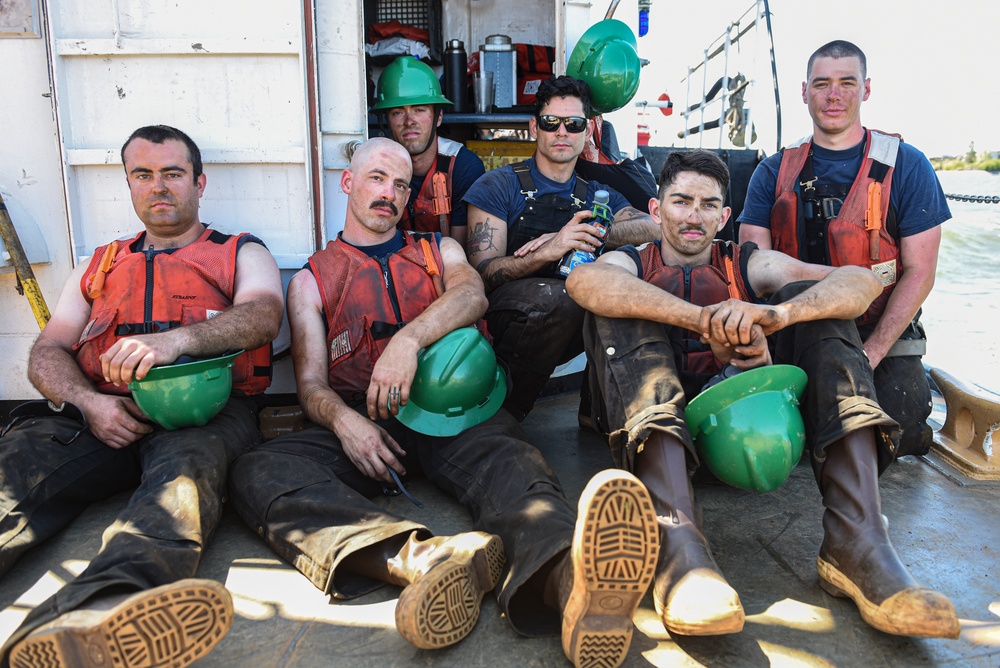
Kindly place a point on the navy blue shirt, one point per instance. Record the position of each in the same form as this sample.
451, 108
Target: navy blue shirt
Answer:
916, 193
498, 192
468, 168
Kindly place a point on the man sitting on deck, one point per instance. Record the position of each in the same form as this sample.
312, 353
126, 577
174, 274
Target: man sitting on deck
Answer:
650, 306
360, 313
177, 288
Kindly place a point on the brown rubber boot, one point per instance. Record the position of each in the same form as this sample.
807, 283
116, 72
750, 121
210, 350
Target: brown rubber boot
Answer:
690, 593
444, 580
858, 561
172, 625
613, 557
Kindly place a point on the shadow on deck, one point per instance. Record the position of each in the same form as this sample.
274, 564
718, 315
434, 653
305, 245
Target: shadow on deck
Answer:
943, 524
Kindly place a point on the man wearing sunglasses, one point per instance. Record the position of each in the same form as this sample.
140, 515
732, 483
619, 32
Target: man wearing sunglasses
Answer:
523, 219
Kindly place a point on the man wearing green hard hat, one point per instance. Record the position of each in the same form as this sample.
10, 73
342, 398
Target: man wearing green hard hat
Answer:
178, 288
409, 96
396, 382
664, 319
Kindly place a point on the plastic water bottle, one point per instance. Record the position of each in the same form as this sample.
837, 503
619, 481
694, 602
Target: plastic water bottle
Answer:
602, 221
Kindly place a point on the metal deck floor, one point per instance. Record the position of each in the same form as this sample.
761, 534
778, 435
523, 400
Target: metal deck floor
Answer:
944, 525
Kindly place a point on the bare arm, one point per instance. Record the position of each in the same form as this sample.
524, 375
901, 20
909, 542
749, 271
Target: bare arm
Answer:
462, 303
918, 255
367, 445
53, 370
840, 292
632, 226
487, 247
611, 287
757, 234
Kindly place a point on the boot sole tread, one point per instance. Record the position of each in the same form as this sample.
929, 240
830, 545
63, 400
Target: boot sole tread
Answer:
173, 625
614, 551
443, 606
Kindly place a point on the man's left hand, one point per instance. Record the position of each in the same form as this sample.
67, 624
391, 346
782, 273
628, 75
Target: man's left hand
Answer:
133, 357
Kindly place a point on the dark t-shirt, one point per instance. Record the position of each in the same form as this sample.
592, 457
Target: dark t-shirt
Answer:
916, 193
499, 192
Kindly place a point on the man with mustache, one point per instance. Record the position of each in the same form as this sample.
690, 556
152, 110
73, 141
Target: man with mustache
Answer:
851, 195
667, 316
360, 313
409, 96
177, 288
523, 219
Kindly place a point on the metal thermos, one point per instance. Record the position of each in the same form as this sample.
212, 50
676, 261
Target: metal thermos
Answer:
456, 83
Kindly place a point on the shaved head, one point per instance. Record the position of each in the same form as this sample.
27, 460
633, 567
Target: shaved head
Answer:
374, 147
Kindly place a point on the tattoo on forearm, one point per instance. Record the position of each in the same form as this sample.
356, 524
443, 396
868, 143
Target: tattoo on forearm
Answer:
495, 278
481, 238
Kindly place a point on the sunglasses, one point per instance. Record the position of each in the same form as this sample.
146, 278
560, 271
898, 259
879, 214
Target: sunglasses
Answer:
574, 124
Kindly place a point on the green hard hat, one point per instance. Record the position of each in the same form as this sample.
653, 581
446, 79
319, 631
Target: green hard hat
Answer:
458, 384
748, 429
606, 58
186, 393
407, 81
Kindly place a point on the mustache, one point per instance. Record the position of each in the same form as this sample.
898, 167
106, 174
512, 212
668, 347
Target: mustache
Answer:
380, 203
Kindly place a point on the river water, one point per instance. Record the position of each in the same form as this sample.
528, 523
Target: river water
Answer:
962, 313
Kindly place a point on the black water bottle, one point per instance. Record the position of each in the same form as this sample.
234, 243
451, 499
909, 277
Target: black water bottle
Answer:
456, 84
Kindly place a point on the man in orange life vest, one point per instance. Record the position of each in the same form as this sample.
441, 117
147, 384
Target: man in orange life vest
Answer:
409, 95
650, 308
177, 288
850, 195
360, 313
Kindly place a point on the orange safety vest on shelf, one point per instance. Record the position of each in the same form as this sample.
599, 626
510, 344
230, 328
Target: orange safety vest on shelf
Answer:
138, 292
366, 301
704, 285
858, 235
420, 215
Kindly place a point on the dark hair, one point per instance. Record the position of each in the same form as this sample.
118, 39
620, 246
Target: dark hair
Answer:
562, 86
161, 133
701, 162
838, 48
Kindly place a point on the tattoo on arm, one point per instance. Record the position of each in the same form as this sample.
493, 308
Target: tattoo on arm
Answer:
495, 277
481, 238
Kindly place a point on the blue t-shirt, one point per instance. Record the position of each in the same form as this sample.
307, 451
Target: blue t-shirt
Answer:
916, 193
499, 192
468, 168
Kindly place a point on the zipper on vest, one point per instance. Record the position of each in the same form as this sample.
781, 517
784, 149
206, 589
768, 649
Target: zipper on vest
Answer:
390, 287
148, 306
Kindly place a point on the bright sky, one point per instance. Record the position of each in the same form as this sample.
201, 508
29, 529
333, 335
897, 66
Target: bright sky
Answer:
929, 65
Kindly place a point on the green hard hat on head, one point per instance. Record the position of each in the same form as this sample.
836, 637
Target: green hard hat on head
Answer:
606, 58
458, 385
407, 81
187, 393
748, 429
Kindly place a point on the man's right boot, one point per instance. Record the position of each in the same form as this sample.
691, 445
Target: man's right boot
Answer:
444, 580
690, 593
857, 560
608, 569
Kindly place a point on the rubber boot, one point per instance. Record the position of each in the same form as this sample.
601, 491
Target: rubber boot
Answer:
858, 561
172, 625
444, 580
610, 565
690, 593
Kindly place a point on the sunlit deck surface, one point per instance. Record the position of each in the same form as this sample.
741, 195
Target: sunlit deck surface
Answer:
944, 525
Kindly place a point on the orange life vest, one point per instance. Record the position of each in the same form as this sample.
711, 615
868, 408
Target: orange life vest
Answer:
366, 301
704, 285
419, 214
136, 292
858, 235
